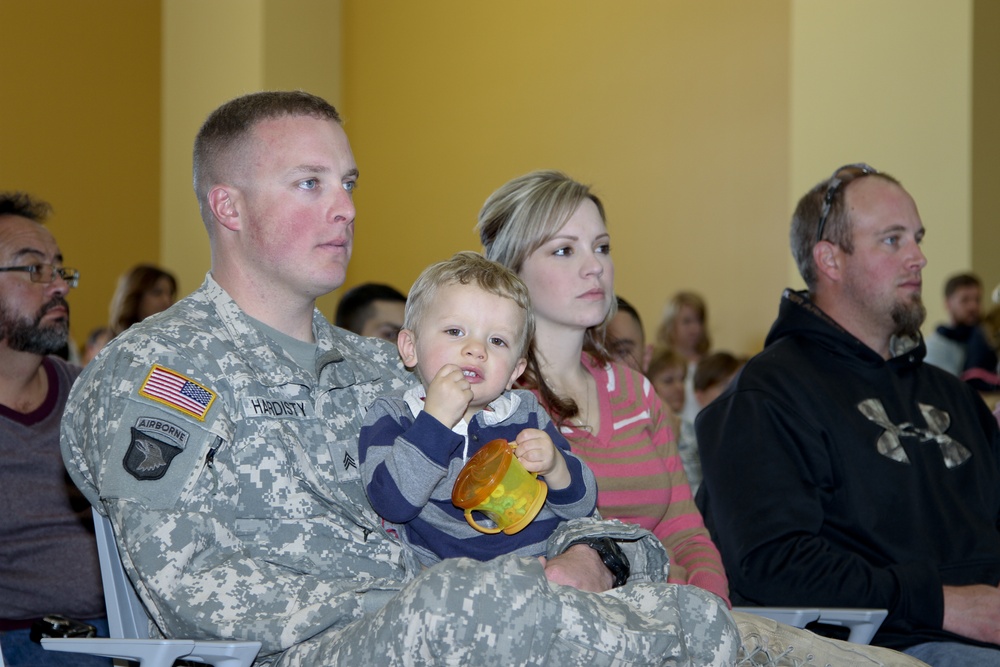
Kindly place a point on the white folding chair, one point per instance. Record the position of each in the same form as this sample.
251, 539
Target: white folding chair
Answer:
861, 623
129, 624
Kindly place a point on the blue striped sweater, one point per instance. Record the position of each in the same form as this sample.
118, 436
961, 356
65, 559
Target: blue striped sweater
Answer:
410, 461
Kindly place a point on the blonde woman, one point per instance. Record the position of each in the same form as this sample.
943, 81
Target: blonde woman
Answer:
684, 329
551, 231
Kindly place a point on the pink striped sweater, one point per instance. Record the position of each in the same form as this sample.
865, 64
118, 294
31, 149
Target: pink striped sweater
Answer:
640, 478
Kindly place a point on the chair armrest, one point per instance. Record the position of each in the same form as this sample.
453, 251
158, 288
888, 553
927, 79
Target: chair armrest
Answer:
793, 616
161, 652
863, 623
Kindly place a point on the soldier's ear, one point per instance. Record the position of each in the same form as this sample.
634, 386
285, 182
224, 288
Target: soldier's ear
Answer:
224, 200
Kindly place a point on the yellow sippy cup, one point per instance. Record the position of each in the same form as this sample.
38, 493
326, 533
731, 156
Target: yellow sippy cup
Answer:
495, 483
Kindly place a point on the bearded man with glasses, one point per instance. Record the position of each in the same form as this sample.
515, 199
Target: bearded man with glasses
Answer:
49, 557
842, 471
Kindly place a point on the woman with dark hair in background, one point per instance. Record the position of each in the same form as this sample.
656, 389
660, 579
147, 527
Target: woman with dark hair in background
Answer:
143, 291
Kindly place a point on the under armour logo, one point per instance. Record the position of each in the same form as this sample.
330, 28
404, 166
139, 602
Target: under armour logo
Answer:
954, 453
349, 461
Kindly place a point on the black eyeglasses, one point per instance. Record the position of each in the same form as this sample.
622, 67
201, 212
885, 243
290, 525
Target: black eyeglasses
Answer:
840, 178
46, 273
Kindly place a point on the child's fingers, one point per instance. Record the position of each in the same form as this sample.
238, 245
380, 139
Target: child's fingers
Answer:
529, 435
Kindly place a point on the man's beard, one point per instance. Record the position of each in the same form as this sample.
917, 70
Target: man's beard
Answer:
909, 316
23, 335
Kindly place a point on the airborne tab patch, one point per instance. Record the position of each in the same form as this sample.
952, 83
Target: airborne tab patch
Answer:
178, 392
161, 428
148, 458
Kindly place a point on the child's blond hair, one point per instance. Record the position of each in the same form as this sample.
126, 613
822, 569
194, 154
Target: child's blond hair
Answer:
470, 268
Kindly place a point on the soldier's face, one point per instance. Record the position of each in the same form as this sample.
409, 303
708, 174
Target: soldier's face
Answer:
34, 317
298, 207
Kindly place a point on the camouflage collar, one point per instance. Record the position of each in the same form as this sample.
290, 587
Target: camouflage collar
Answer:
270, 363
900, 345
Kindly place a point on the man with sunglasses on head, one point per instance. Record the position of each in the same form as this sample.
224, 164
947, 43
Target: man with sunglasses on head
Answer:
841, 470
48, 556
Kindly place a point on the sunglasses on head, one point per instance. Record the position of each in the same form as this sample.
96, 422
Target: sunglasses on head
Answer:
840, 178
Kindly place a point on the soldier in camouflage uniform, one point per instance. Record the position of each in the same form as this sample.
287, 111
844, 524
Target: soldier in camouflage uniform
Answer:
220, 437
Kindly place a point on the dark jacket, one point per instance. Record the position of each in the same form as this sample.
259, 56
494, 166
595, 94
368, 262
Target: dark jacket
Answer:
835, 478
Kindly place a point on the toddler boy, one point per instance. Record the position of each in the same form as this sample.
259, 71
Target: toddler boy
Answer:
466, 329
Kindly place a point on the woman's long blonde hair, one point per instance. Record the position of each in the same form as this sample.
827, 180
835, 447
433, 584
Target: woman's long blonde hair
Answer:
517, 219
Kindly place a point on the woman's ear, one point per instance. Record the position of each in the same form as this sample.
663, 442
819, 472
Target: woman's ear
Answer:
407, 344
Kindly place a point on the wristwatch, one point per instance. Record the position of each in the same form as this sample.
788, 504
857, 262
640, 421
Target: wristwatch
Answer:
612, 555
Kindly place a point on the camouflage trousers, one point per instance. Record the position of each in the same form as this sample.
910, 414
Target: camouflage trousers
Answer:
504, 612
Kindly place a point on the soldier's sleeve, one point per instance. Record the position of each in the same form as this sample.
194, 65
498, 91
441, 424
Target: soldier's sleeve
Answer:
146, 442
647, 557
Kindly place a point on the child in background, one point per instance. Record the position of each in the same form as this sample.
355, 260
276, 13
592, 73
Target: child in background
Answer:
719, 370
667, 371
467, 327
715, 372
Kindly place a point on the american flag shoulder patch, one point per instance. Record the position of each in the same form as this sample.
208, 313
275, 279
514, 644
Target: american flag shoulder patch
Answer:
177, 391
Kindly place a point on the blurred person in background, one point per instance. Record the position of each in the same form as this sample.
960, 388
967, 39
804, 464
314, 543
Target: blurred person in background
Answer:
625, 339
684, 329
143, 291
48, 554
373, 310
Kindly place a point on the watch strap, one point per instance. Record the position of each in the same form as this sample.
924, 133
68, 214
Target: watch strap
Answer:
611, 555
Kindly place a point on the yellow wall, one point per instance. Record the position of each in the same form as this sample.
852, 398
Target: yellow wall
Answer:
699, 124
212, 52
890, 83
80, 116
986, 143
676, 112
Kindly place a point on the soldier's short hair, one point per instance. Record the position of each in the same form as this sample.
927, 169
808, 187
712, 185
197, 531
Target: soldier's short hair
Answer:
226, 130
